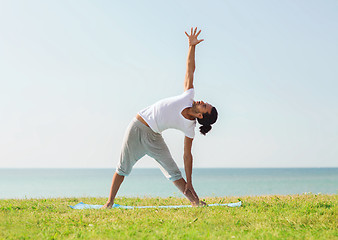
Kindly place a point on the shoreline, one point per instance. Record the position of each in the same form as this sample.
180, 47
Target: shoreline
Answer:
172, 197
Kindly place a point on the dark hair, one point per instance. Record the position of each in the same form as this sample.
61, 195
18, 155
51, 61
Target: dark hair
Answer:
207, 120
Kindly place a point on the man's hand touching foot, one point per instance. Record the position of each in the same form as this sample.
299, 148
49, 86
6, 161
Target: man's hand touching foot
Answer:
108, 205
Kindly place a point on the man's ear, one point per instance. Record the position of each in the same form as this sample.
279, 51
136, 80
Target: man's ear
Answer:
199, 115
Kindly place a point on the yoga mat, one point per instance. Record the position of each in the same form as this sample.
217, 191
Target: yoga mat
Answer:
82, 205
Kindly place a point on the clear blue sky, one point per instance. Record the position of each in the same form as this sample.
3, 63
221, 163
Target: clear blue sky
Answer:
74, 73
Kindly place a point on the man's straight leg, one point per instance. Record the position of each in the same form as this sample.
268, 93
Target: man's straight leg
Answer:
132, 151
158, 149
115, 185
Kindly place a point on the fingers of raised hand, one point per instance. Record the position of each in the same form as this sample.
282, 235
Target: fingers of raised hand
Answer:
193, 32
198, 33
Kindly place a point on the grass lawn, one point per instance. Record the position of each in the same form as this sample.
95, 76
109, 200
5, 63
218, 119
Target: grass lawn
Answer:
306, 216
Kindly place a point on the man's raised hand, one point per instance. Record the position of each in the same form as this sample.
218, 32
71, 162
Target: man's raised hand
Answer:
193, 41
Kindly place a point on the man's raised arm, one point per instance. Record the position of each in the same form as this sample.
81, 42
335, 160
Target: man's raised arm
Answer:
189, 76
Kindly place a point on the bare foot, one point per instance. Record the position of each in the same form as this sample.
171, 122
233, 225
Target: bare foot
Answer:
200, 204
108, 205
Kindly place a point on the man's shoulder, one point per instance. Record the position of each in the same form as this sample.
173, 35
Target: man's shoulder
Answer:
189, 92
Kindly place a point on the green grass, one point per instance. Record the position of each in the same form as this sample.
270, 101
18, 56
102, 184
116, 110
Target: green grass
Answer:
306, 216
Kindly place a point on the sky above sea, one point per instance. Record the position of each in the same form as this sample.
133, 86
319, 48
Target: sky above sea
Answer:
73, 74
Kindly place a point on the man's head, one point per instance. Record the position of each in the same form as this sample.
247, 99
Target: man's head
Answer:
206, 115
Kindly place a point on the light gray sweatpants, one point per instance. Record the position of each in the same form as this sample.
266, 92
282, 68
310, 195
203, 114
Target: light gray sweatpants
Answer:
140, 140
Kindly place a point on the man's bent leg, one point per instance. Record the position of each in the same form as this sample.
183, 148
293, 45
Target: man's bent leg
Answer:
180, 184
115, 185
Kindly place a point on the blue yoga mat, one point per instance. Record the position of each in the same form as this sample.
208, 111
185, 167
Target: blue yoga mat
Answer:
82, 205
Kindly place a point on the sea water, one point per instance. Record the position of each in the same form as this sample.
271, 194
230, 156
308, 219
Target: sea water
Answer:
51, 183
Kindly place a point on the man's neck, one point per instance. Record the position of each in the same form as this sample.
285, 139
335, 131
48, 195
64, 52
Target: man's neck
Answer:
187, 113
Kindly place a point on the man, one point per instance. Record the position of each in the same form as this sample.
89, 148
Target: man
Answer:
143, 135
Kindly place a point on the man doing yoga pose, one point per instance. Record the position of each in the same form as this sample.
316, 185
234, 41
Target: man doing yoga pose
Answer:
143, 135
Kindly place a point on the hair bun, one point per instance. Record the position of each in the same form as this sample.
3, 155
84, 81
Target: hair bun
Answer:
205, 128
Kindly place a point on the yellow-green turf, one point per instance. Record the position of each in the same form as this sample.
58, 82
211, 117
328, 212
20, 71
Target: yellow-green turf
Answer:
306, 216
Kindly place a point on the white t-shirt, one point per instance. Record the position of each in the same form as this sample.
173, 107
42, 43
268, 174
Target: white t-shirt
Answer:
167, 113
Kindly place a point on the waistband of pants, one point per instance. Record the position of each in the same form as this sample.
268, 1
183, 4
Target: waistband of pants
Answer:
142, 126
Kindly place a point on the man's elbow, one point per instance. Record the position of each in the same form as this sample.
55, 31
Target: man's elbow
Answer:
187, 156
190, 74
191, 68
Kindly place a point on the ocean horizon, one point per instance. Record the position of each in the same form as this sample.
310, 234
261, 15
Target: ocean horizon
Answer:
22, 183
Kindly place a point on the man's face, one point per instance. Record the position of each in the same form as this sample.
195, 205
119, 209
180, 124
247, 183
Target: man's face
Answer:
201, 107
